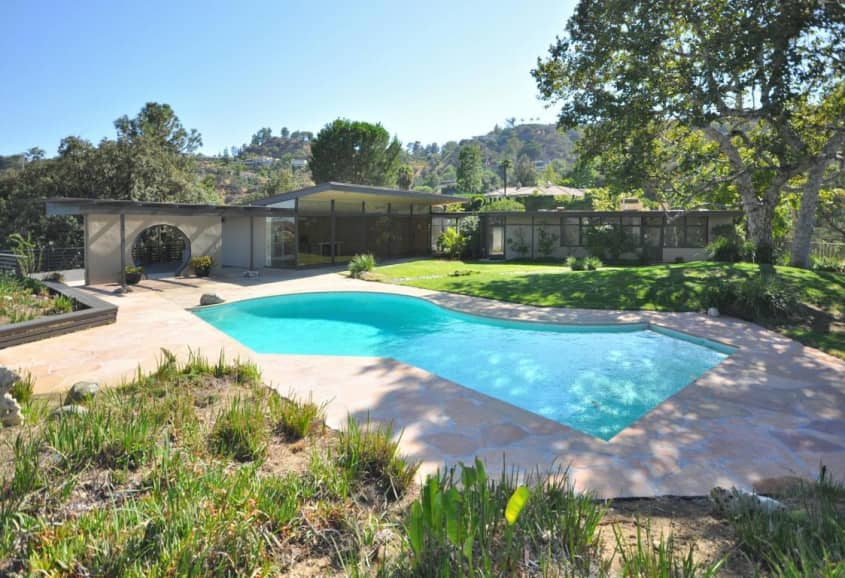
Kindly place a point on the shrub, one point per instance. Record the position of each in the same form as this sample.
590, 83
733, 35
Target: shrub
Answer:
502, 206
730, 249
240, 431
831, 264
465, 524
451, 243
369, 454
592, 263
575, 263
202, 265
361, 264
763, 297
28, 257
605, 242
470, 229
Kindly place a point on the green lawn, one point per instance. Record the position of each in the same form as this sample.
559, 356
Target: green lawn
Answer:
677, 287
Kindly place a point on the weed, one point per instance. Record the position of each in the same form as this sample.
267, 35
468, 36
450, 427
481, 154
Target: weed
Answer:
658, 558
295, 418
240, 431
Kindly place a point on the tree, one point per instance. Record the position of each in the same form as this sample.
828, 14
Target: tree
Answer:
354, 152
469, 169
406, 177
734, 83
262, 137
526, 173
506, 165
285, 132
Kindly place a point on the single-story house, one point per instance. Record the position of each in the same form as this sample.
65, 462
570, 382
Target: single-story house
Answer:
327, 223
547, 190
650, 236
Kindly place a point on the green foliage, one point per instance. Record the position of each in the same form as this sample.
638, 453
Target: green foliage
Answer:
465, 524
202, 265
369, 454
361, 264
469, 171
405, 178
133, 274
240, 431
806, 539
518, 243
25, 298
592, 263
451, 243
354, 152
729, 249
22, 389
547, 242
828, 264
606, 242
295, 418
764, 297
658, 558
26, 252
470, 230
575, 263
502, 206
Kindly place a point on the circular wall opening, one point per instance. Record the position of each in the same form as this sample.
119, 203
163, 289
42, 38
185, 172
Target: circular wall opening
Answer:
161, 250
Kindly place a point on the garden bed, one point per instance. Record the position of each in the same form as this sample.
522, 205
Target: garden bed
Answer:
34, 310
199, 469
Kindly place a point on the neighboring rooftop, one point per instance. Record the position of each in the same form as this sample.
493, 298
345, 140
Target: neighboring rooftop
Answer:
538, 191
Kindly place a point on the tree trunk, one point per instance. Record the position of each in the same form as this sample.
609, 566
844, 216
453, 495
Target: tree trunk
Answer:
760, 215
803, 229
806, 220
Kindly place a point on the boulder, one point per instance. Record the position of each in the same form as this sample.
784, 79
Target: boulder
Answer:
10, 411
68, 410
211, 299
7, 378
82, 391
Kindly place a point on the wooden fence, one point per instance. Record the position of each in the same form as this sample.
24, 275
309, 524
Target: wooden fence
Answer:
826, 250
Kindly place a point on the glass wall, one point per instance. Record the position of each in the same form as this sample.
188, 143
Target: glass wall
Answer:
281, 242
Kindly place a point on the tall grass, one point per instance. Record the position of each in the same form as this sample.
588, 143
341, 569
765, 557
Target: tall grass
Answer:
295, 417
659, 558
240, 431
370, 455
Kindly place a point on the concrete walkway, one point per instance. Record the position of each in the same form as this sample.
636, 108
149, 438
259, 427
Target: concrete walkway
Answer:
773, 408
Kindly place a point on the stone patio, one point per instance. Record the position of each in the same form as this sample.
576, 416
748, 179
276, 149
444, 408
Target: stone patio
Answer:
773, 408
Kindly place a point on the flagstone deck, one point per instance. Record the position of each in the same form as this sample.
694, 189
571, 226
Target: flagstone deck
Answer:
773, 408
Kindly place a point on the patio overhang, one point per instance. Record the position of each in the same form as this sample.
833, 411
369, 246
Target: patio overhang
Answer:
71, 206
360, 193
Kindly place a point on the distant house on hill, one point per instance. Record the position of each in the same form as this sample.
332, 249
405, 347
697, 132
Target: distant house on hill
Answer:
537, 191
260, 162
299, 163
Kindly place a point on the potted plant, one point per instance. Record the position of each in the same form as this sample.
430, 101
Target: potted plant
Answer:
202, 265
133, 274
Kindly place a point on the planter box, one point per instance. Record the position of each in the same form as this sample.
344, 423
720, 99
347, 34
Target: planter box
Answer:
97, 312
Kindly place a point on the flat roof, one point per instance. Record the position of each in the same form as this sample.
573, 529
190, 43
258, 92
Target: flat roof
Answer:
583, 212
75, 206
330, 190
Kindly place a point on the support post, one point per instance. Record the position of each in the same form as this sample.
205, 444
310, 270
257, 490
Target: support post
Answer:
389, 235
331, 236
364, 225
411, 226
532, 237
251, 243
295, 232
123, 250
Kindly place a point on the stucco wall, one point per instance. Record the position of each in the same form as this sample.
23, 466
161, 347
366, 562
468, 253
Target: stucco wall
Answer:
235, 251
103, 240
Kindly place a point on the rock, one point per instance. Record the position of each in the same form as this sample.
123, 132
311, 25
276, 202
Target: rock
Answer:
713, 312
10, 411
121, 290
735, 502
68, 410
251, 274
211, 299
81, 391
7, 378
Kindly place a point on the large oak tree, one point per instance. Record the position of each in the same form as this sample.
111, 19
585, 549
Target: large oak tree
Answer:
744, 93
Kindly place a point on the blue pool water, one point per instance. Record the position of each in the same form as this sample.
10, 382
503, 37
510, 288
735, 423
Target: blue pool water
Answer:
597, 379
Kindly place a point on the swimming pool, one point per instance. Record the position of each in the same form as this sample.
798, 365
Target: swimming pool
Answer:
596, 379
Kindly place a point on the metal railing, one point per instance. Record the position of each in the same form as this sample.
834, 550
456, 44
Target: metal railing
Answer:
50, 259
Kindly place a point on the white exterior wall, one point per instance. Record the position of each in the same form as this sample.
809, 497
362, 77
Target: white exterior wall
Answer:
102, 240
235, 251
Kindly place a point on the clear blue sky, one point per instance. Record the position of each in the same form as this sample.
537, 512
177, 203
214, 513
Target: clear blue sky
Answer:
427, 70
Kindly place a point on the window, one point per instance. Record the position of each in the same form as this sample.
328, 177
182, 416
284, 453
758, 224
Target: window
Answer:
570, 232
689, 231
696, 231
